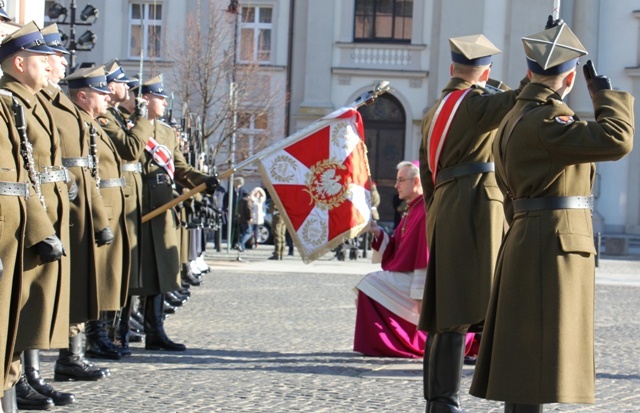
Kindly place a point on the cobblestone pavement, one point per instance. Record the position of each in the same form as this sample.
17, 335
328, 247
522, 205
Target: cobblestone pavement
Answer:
276, 336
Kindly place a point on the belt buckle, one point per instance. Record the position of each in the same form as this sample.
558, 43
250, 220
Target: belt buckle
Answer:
162, 179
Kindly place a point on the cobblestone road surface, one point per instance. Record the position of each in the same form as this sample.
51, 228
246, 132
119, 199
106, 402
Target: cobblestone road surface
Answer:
276, 336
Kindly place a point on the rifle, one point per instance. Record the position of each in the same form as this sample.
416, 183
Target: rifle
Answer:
26, 149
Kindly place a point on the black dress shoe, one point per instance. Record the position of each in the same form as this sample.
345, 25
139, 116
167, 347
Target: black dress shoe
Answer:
29, 399
275, 257
77, 368
102, 348
136, 336
172, 299
59, 398
162, 342
168, 309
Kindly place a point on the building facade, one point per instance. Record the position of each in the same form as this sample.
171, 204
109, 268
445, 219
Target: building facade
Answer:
314, 56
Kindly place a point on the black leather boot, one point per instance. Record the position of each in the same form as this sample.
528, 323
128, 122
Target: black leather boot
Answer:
188, 277
9, 403
31, 368
425, 367
29, 399
98, 344
72, 365
122, 330
522, 408
445, 369
173, 299
156, 338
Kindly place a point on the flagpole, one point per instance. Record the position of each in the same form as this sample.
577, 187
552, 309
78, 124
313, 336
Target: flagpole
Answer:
364, 99
556, 10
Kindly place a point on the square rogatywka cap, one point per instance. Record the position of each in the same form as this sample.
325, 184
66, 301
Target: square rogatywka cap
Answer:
115, 73
472, 50
27, 38
154, 86
553, 51
52, 37
91, 77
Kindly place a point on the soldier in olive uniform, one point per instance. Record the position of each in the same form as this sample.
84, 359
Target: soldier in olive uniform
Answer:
544, 282
44, 315
89, 92
464, 213
89, 223
121, 130
162, 162
24, 224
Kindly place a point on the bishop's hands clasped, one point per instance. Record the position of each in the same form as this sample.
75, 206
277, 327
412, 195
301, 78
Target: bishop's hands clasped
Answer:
595, 82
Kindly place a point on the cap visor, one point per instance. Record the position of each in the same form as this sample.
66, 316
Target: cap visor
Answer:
42, 49
102, 89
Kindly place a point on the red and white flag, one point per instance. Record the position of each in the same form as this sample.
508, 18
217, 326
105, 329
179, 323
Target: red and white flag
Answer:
320, 184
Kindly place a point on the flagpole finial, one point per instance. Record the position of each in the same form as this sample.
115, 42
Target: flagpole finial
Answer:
367, 98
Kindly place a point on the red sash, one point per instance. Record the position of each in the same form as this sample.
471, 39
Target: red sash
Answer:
440, 126
161, 155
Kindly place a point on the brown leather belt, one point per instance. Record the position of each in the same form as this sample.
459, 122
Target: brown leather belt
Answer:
458, 171
558, 202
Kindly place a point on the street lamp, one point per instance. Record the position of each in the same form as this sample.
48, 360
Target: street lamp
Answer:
88, 16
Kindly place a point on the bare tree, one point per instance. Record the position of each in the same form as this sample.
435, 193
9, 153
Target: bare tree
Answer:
204, 68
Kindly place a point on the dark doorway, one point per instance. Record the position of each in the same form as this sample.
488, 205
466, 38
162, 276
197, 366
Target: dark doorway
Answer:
384, 131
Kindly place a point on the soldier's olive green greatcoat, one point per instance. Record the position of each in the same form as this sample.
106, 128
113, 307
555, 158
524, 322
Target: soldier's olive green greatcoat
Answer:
540, 350
23, 223
44, 316
160, 244
87, 214
130, 149
465, 220
114, 260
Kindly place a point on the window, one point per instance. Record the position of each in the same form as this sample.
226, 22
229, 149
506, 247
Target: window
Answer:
255, 34
145, 28
383, 21
252, 133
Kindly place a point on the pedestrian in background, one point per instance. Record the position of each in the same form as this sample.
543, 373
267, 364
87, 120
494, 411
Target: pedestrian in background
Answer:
258, 198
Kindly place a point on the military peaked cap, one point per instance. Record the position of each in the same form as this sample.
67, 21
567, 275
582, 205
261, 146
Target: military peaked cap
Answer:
154, 87
473, 50
115, 73
91, 77
27, 38
51, 36
553, 51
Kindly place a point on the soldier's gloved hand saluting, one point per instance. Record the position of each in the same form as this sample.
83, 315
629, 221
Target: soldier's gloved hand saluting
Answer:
595, 82
552, 23
104, 237
212, 184
50, 249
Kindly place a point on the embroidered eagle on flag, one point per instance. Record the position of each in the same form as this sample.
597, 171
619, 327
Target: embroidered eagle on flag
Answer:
321, 184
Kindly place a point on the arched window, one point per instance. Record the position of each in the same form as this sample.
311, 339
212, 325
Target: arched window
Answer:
385, 130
